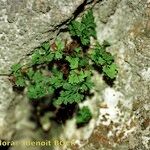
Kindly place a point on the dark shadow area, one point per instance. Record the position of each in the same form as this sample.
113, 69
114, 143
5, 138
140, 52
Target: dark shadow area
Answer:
64, 113
39, 108
81, 125
109, 81
63, 30
44, 105
77, 12
98, 69
18, 90
80, 9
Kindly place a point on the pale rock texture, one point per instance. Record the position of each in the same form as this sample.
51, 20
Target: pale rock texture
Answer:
24, 25
126, 25
123, 121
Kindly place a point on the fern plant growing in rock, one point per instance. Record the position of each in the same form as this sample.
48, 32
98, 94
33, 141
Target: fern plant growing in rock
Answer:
63, 70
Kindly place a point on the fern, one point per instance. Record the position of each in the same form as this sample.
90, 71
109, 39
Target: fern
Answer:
42, 54
39, 85
15, 68
63, 71
18, 76
56, 79
74, 62
105, 60
83, 116
110, 70
58, 52
84, 29
76, 76
69, 97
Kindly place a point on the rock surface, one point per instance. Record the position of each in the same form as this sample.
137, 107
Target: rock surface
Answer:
123, 121
24, 25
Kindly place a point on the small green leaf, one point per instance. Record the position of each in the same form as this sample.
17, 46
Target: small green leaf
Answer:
46, 46
73, 77
30, 73
16, 71
58, 55
32, 92
15, 67
78, 49
76, 77
84, 62
100, 56
36, 91
85, 40
36, 58
76, 28
50, 90
49, 57
87, 85
73, 62
108, 57
38, 77
83, 116
84, 29
67, 86
68, 97
110, 70
20, 82
57, 79
60, 45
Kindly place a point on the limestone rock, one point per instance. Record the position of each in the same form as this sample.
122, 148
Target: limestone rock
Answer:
24, 25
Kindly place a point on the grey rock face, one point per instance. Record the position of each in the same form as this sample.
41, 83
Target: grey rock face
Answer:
24, 25
126, 25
